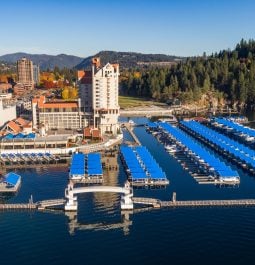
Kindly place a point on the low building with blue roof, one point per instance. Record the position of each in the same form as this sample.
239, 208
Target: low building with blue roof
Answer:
10, 182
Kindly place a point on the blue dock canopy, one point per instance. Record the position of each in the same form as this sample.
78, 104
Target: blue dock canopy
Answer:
77, 164
141, 164
219, 167
12, 179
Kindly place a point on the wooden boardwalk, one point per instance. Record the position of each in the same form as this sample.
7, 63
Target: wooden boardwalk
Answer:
129, 127
41, 205
194, 203
18, 206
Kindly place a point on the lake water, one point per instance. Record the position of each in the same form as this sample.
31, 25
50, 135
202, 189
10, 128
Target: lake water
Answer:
100, 234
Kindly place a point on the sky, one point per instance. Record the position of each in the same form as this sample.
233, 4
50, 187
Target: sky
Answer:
83, 28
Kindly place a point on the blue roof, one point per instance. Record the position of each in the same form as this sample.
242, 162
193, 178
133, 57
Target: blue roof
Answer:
30, 136
12, 178
9, 136
220, 168
141, 164
82, 164
19, 136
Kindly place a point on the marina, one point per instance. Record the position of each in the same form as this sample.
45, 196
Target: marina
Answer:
208, 169
20, 159
237, 152
86, 168
141, 168
235, 130
99, 213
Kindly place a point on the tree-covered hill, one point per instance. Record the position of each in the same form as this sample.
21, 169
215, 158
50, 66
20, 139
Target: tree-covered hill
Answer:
129, 59
230, 74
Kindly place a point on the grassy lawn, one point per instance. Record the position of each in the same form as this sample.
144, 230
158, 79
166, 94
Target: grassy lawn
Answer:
128, 102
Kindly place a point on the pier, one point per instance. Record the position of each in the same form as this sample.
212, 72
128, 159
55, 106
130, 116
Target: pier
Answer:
129, 127
18, 206
40, 205
193, 203
148, 202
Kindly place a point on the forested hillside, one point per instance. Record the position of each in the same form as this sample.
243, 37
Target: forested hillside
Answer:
129, 59
229, 74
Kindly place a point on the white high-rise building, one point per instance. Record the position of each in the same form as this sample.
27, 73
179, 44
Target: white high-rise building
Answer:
99, 91
105, 103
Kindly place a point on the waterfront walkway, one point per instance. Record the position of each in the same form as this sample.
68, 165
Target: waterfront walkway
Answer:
155, 203
129, 127
194, 203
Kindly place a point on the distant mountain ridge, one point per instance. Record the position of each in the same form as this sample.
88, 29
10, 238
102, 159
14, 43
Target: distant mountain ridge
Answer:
129, 59
44, 60
125, 59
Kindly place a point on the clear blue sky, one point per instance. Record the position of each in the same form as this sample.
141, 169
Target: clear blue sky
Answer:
83, 28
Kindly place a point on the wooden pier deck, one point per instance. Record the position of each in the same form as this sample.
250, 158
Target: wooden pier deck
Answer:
194, 203
129, 127
41, 205
18, 206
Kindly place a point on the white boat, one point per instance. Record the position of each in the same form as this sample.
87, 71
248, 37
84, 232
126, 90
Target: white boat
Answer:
171, 148
230, 180
131, 122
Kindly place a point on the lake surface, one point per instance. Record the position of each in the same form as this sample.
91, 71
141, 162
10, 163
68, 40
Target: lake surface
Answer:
101, 234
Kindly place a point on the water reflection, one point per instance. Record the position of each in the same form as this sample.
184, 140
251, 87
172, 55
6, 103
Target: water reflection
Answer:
74, 225
105, 200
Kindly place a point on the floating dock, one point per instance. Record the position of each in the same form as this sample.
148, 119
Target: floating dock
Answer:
235, 130
129, 127
141, 167
238, 153
196, 203
216, 171
20, 159
10, 183
86, 168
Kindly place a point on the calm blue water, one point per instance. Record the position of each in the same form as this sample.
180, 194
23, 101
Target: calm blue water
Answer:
100, 234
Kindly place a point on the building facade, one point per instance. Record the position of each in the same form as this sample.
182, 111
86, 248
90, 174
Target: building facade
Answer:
7, 113
57, 114
99, 91
25, 72
36, 74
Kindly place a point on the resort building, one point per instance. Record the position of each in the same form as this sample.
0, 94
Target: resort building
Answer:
25, 73
57, 114
99, 91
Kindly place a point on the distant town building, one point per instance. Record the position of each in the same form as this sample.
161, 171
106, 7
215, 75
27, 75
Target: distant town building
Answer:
5, 87
19, 89
99, 91
36, 74
57, 114
7, 112
5, 95
18, 125
25, 72
24, 106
